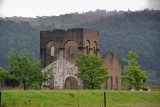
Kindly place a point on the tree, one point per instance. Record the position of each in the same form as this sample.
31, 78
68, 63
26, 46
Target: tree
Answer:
3, 75
25, 68
90, 71
133, 74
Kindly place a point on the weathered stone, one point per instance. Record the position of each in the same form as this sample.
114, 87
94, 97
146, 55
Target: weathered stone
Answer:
111, 62
59, 49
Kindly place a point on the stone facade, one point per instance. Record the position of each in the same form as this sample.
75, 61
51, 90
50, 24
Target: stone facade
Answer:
58, 51
111, 62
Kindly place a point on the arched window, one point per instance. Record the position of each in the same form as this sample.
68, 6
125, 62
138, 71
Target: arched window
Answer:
87, 49
71, 50
110, 57
52, 51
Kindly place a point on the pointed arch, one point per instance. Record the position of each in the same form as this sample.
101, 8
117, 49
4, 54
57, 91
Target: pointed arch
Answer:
50, 52
71, 50
50, 48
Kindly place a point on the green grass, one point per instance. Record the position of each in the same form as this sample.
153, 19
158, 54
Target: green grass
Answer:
81, 98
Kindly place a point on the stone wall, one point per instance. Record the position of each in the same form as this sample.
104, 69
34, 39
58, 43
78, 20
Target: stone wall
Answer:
58, 51
61, 40
111, 62
62, 69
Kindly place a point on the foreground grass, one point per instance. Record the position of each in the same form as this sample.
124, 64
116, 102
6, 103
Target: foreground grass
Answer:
79, 98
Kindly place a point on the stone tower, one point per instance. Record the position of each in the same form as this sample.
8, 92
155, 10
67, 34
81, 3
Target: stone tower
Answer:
59, 49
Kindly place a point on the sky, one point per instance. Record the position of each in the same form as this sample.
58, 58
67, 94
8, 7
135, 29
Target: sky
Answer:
33, 8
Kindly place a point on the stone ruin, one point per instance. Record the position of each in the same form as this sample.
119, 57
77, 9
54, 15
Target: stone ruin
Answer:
60, 48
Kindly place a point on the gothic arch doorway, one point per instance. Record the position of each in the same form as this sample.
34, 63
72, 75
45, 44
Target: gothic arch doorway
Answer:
71, 83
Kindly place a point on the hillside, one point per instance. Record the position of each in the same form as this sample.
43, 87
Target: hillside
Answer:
119, 32
137, 31
17, 35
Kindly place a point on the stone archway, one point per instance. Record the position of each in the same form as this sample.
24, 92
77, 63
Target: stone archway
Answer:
71, 83
71, 50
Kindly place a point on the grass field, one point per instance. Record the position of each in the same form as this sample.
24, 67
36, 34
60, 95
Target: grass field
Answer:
79, 98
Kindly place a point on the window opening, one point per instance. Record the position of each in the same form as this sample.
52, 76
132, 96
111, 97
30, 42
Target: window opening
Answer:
52, 51
110, 57
71, 50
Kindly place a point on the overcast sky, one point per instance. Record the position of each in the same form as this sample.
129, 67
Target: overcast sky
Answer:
33, 8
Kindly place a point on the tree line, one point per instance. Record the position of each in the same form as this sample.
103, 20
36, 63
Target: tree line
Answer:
26, 69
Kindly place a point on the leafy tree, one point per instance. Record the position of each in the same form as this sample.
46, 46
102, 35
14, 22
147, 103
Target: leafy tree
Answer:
90, 71
134, 75
25, 68
3, 75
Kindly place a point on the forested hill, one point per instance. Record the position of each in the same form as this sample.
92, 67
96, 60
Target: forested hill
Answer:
17, 35
64, 21
137, 31
119, 32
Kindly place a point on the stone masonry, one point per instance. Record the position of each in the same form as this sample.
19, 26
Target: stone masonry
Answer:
60, 48
111, 62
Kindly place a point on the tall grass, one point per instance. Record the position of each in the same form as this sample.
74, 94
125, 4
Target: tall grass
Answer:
79, 98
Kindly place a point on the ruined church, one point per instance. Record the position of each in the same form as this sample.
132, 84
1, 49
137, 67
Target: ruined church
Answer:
60, 48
